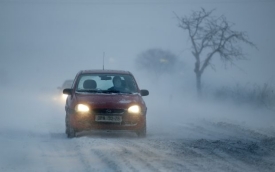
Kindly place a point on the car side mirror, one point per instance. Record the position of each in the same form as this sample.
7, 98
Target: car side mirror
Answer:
68, 91
144, 92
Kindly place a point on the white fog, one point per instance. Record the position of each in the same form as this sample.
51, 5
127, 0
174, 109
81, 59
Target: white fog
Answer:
231, 127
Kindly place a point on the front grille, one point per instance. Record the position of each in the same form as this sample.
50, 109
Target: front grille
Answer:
108, 111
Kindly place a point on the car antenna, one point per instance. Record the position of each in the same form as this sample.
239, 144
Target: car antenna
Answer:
103, 59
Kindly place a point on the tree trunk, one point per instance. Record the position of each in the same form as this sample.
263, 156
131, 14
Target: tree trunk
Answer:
198, 75
198, 79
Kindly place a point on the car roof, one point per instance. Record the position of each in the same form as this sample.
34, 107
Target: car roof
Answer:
105, 71
68, 81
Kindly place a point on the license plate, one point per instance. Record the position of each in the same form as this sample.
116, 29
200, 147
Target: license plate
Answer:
102, 118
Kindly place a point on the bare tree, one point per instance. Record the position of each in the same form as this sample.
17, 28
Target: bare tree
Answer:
156, 62
212, 36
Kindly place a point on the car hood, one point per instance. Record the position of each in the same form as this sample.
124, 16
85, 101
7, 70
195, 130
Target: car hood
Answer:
110, 100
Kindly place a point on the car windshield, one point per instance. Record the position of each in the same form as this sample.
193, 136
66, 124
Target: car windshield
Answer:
107, 83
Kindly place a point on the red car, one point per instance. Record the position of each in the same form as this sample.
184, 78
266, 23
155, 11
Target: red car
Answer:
105, 100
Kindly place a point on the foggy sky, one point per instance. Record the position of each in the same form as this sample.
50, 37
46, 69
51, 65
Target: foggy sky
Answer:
42, 43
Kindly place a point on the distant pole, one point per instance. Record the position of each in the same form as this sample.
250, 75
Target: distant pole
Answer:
103, 59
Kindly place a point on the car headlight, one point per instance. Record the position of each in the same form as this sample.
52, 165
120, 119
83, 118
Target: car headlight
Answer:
82, 108
64, 96
134, 109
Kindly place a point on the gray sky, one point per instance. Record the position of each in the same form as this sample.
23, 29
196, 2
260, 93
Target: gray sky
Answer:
50, 41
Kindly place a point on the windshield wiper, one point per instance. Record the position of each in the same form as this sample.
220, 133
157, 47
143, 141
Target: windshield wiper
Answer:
104, 91
89, 91
117, 91
110, 91
126, 92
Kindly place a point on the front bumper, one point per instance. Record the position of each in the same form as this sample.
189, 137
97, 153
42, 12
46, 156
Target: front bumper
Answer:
81, 122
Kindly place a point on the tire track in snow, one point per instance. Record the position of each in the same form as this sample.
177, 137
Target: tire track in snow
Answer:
101, 152
108, 153
121, 157
154, 159
112, 164
164, 154
82, 157
170, 156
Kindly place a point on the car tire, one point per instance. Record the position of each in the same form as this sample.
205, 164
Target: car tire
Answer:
67, 124
142, 133
71, 132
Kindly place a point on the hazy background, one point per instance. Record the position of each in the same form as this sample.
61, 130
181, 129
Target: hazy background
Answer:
42, 43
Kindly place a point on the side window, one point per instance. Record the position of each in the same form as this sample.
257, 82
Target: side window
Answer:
130, 83
81, 81
88, 77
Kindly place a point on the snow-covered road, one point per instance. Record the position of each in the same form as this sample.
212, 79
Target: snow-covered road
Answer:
195, 139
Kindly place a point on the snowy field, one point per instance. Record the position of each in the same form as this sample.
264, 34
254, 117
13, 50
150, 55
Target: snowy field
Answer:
185, 136
44, 42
